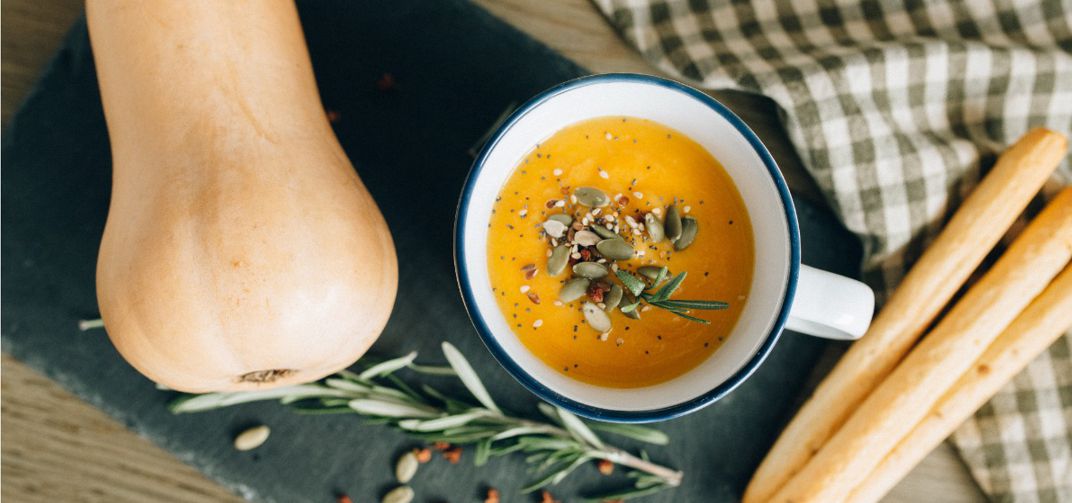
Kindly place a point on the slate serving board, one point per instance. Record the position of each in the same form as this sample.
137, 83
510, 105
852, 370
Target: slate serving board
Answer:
456, 69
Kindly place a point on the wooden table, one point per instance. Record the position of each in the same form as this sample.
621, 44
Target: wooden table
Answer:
57, 448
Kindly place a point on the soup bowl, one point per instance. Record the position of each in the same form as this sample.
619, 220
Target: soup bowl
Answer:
784, 293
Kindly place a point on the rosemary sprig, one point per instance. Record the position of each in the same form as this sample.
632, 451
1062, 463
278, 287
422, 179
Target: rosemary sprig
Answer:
661, 298
555, 447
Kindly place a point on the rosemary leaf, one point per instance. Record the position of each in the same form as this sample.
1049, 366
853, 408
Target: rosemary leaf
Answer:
579, 429
668, 289
483, 452
468, 376
441, 423
661, 276
433, 370
691, 318
641, 433
347, 385
388, 366
708, 305
209, 401
384, 408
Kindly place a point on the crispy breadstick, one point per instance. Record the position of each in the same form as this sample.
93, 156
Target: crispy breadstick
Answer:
930, 370
1042, 323
973, 231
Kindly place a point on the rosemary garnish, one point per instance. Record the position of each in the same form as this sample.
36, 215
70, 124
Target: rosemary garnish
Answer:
661, 298
555, 446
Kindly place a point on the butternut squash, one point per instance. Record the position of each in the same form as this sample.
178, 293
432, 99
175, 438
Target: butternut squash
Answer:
241, 249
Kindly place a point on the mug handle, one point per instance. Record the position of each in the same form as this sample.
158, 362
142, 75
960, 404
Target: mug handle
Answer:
831, 306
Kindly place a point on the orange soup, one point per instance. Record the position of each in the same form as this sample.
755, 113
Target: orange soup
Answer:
620, 252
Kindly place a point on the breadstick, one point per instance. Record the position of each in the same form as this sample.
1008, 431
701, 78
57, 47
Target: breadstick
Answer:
930, 370
1042, 323
973, 231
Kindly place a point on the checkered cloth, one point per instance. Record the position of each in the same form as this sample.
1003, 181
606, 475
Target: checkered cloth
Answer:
895, 109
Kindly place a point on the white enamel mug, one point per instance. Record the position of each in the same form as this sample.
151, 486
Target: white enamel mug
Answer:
784, 293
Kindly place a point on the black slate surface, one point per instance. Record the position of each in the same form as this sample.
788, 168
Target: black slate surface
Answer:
456, 69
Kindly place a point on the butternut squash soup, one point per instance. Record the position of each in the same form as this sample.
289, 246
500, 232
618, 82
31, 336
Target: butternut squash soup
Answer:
620, 252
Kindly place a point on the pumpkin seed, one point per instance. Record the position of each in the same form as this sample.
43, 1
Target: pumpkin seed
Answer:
604, 232
613, 298
556, 263
689, 228
672, 223
615, 249
252, 438
591, 197
590, 270
586, 238
654, 227
573, 289
406, 467
400, 494
633, 314
561, 217
651, 272
554, 228
596, 317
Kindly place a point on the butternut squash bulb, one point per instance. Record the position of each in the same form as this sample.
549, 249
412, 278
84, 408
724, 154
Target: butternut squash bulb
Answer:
241, 249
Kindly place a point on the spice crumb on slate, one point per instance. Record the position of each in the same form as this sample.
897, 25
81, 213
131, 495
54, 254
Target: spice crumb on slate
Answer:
423, 454
454, 455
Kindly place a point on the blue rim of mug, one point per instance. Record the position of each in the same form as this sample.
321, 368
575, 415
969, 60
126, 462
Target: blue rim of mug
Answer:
538, 388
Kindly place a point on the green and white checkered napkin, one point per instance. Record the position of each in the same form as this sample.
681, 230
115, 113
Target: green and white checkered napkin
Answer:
896, 108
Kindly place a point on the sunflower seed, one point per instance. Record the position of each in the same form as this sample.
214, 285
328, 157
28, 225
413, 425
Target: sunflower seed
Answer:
400, 494
573, 289
586, 238
406, 467
654, 227
591, 197
556, 263
561, 217
689, 228
252, 438
590, 270
615, 249
672, 223
613, 298
554, 228
596, 317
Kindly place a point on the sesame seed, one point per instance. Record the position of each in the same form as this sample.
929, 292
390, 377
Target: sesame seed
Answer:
558, 303
687, 209
597, 211
657, 211
603, 336
619, 341
608, 136
525, 288
573, 199
638, 195
560, 204
537, 324
522, 213
557, 172
604, 175
631, 221
575, 256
